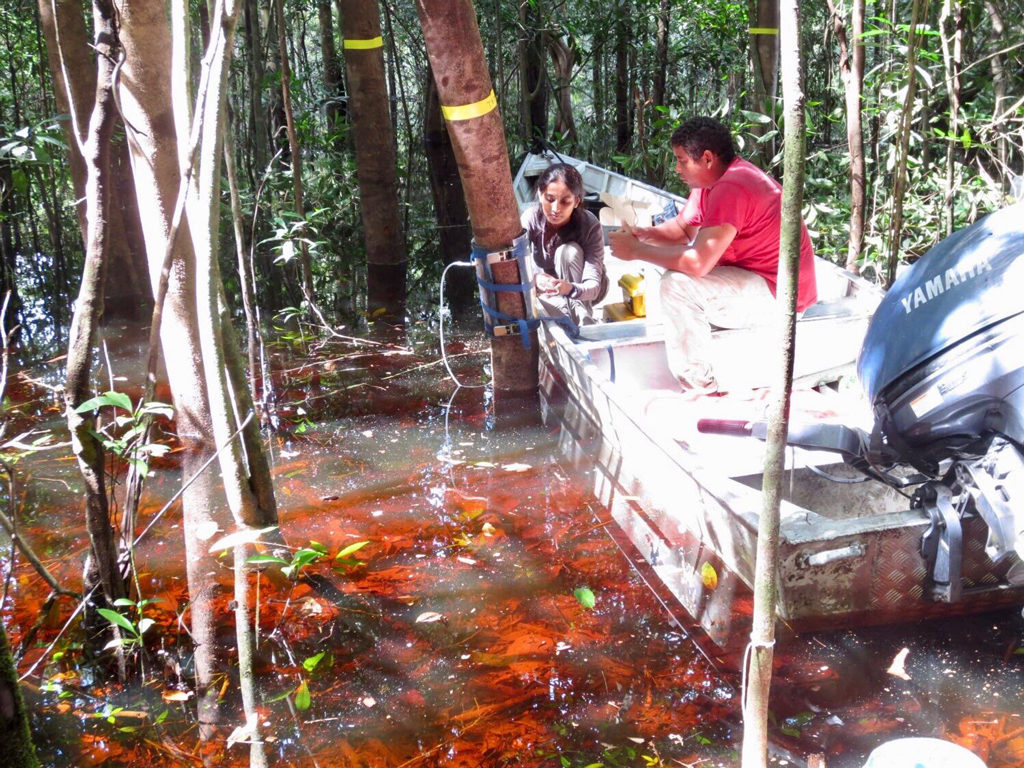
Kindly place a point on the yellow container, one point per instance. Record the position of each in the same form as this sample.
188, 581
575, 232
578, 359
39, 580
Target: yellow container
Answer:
633, 293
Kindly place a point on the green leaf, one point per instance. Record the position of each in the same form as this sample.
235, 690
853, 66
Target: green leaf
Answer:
116, 618
303, 699
116, 399
300, 560
158, 409
350, 549
310, 664
257, 559
585, 596
245, 536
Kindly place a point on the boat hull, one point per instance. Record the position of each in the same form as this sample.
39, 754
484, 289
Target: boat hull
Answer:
849, 554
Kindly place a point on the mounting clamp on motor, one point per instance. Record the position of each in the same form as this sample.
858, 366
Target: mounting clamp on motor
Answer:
942, 543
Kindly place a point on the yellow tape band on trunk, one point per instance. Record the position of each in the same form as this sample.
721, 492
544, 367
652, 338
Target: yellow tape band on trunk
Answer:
764, 30
363, 45
469, 111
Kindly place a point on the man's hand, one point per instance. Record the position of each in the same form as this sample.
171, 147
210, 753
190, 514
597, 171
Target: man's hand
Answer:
624, 243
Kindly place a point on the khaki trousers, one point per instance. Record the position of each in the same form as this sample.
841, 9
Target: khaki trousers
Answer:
727, 297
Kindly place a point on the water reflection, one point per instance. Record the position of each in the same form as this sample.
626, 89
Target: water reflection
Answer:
457, 635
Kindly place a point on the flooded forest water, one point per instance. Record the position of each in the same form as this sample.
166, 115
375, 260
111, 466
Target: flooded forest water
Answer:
491, 619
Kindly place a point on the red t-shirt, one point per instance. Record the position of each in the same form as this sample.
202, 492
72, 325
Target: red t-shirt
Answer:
750, 200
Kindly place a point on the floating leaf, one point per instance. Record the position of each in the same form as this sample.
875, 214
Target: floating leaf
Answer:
303, 699
350, 549
898, 666
310, 664
516, 467
585, 596
244, 536
242, 734
708, 575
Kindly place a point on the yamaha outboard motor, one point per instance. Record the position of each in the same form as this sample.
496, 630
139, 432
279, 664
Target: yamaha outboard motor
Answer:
943, 368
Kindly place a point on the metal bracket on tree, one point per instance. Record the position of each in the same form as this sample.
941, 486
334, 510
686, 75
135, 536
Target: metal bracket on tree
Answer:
511, 262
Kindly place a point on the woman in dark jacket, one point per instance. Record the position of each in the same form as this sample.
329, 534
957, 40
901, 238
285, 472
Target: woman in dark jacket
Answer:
566, 247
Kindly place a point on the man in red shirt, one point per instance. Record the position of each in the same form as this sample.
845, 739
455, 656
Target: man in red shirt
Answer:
720, 254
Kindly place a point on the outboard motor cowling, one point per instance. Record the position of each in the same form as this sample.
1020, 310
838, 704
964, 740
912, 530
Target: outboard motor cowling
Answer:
943, 358
943, 368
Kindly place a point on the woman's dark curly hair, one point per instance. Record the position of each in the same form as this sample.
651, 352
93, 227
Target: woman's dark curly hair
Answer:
564, 173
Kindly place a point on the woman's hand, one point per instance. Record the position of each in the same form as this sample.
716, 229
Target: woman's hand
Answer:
550, 285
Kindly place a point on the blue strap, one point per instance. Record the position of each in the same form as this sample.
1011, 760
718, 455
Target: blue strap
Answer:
525, 326
487, 287
511, 287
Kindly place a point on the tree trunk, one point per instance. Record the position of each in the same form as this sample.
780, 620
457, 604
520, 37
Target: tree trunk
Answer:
16, 749
295, 151
243, 469
257, 112
449, 201
146, 100
597, 83
623, 114
764, 57
533, 76
765, 50
129, 296
851, 68
246, 652
8, 253
246, 282
336, 109
951, 32
1000, 89
661, 54
95, 148
762, 632
69, 53
375, 157
74, 81
562, 58
457, 57
903, 137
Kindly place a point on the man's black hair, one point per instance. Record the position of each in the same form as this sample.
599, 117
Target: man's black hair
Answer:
700, 133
